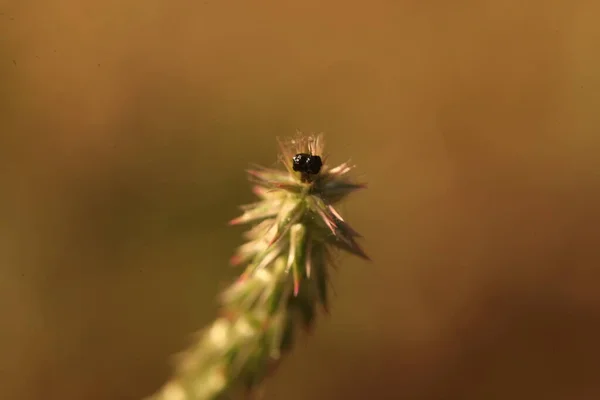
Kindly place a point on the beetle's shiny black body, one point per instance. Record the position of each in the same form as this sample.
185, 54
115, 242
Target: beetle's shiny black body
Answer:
307, 163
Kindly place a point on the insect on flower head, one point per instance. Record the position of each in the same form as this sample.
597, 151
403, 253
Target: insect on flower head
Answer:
303, 154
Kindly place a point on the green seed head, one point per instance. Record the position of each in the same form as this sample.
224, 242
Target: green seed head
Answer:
295, 228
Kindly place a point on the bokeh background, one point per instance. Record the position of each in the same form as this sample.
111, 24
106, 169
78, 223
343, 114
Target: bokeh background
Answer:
125, 129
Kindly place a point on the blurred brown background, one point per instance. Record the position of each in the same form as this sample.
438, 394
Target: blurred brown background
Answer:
126, 126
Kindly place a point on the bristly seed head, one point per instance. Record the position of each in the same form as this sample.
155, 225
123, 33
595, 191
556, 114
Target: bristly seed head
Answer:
288, 197
287, 256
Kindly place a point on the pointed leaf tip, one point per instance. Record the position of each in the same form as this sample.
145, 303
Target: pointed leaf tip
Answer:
364, 256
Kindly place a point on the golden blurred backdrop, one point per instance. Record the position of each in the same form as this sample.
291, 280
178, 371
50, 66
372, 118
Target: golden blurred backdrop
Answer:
126, 126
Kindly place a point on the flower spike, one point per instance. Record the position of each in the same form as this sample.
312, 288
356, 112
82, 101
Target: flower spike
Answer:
287, 257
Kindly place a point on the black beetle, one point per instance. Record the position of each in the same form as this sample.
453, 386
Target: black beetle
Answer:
307, 163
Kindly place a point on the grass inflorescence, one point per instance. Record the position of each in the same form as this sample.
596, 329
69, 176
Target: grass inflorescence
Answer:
287, 256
